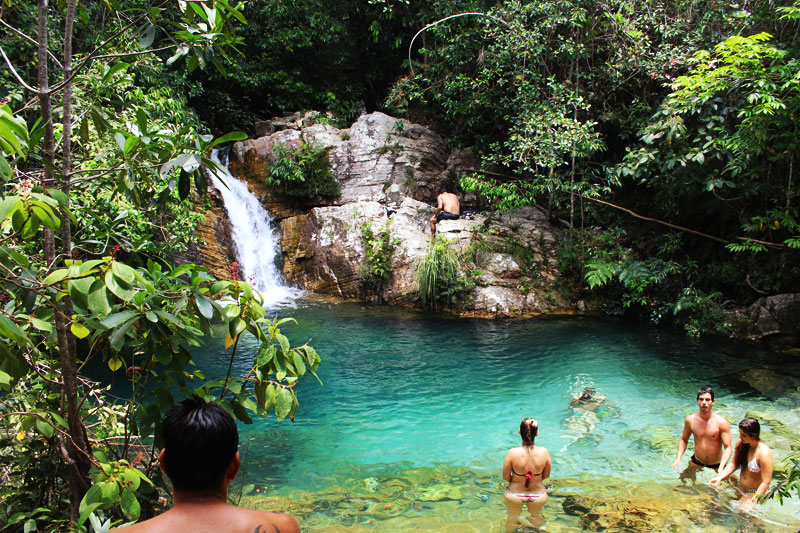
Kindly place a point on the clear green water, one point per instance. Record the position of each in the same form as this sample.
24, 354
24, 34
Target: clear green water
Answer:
417, 411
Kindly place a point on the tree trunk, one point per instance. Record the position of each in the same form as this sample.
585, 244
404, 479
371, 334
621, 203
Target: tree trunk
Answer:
77, 452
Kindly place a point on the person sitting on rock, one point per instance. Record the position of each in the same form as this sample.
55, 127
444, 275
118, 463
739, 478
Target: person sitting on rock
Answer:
447, 208
200, 458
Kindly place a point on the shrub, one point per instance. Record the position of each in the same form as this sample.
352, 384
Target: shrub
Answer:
440, 278
303, 173
379, 247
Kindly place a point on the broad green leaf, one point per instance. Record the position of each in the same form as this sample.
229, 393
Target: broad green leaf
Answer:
265, 354
79, 330
130, 505
283, 402
204, 306
115, 363
299, 366
116, 319
79, 291
117, 289
236, 326
9, 204
284, 342
41, 325
11, 331
98, 299
118, 338
123, 271
45, 428
55, 276
109, 492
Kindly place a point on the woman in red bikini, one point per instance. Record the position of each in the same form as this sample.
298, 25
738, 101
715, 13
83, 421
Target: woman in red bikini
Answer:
525, 468
754, 457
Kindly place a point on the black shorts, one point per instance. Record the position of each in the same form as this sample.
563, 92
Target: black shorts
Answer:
444, 215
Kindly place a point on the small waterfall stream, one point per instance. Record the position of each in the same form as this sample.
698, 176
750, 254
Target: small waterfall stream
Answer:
256, 241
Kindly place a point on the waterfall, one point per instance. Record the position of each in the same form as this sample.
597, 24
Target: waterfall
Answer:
257, 245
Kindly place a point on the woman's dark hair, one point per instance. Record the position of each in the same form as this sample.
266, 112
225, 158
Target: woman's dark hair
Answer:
753, 429
528, 429
200, 440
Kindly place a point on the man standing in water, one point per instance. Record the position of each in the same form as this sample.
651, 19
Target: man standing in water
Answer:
447, 208
200, 459
712, 437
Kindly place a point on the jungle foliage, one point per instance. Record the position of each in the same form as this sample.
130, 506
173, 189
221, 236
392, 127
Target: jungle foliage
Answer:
102, 164
682, 114
303, 172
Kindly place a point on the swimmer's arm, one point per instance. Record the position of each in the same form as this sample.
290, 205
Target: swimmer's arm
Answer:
766, 472
725, 435
546, 471
729, 469
683, 443
507, 467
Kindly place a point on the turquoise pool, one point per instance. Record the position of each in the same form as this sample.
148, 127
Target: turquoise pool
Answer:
416, 412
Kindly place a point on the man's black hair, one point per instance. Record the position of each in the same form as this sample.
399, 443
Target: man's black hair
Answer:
200, 440
705, 390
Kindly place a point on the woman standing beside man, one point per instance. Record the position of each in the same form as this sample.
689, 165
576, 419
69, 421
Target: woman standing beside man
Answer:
754, 458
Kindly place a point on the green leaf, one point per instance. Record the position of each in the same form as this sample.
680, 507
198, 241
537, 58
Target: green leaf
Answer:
204, 305
284, 342
236, 326
79, 291
5, 170
116, 319
41, 325
283, 402
9, 204
299, 366
91, 501
118, 290
123, 271
45, 428
11, 331
118, 338
115, 363
130, 505
55, 276
79, 330
265, 354
98, 299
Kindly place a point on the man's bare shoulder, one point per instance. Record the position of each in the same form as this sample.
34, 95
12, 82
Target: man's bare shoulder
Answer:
240, 521
721, 421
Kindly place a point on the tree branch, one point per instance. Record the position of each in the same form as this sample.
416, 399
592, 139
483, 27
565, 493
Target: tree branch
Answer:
29, 39
776, 246
14, 72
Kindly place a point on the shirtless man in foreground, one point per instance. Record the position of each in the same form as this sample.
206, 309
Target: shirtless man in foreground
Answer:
712, 437
200, 459
447, 208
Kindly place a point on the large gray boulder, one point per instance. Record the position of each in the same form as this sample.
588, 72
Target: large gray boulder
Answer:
389, 171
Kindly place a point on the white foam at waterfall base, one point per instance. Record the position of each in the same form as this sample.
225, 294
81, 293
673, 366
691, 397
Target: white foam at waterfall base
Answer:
256, 242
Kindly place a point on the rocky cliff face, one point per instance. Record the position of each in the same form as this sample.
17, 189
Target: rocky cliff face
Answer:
389, 171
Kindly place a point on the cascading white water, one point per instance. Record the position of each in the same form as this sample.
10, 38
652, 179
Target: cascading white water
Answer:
256, 242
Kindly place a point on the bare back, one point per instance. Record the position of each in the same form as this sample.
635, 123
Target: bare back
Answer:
448, 201
213, 518
708, 436
519, 461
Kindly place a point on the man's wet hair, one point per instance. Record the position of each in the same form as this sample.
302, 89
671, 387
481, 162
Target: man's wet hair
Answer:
705, 390
587, 393
200, 440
